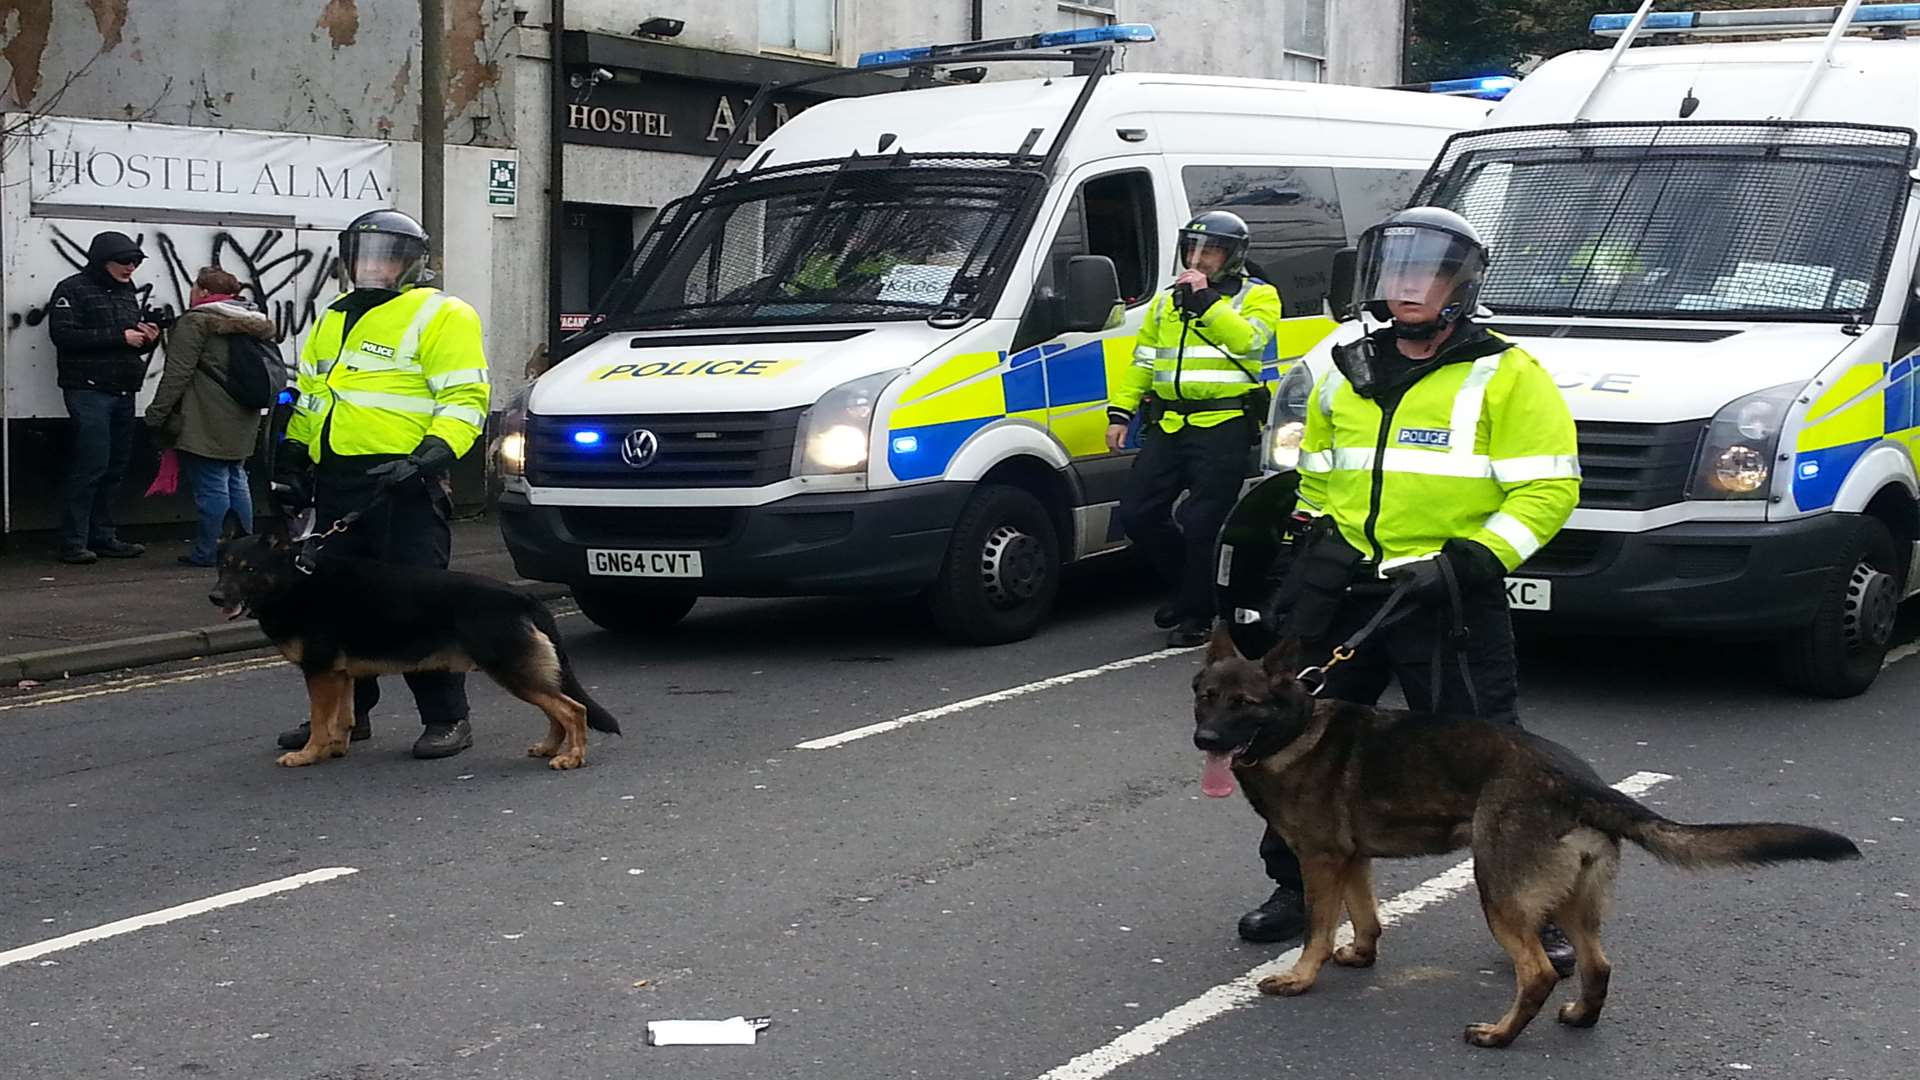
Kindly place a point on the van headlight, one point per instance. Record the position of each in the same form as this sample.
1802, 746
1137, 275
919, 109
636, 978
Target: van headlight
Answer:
1287, 419
511, 449
1736, 458
835, 432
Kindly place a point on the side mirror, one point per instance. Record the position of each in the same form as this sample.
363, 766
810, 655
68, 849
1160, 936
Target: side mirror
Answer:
1346, 273
1090, 302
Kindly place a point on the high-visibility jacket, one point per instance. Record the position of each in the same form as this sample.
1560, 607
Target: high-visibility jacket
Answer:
1212, 357
412, 367
1481, 447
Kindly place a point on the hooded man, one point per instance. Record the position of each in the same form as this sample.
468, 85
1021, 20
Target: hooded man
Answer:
102, 343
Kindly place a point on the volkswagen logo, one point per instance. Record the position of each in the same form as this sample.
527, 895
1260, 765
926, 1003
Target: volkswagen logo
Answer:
639, 448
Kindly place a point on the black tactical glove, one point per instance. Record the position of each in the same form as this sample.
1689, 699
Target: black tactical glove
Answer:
1196, 302
431, 458
292, 484
1473, 566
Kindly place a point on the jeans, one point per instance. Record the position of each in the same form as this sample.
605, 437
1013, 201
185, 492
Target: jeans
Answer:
102, 425
218, 486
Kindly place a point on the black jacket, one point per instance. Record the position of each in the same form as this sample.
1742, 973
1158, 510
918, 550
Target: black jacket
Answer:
88, 317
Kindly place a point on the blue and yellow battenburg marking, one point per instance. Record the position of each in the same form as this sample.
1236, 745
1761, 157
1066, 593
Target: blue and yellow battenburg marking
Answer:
1867, 404
1055, 387
670, 369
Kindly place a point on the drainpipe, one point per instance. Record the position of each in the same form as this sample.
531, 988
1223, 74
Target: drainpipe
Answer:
433, 129
979, 20
556, 175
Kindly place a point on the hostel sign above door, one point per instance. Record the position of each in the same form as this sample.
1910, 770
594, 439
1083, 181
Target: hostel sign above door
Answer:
316, 180
666, 112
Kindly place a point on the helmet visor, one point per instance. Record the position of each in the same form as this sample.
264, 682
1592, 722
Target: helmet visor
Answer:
1409, 264
375, 260
1211, 255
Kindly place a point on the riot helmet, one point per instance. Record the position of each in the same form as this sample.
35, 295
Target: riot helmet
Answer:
383, 249
1423, 268
1216, 230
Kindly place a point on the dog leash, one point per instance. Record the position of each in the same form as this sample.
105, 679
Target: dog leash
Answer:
1316, 677
308, 556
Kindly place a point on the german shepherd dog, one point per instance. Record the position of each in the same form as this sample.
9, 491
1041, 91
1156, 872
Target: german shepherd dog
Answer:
1344, 784
353, 617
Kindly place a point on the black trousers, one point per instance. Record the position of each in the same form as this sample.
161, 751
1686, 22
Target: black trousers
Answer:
410, 527
1209, 464
1405, 650
102, 428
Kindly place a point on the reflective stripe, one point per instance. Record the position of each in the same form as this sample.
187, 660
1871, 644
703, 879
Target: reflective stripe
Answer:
1204, 376
396, 402
1509, 528
1316, 461
1331, 383
1467, 402
1519, 470
437, 383
1420, 462
308, 369
1144, 355
461, 412
410, 341
1405, 560
311, 403
1312, 508
364, 361
1194, 352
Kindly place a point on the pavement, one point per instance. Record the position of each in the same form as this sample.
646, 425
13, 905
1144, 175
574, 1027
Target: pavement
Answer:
59, 620
918, 860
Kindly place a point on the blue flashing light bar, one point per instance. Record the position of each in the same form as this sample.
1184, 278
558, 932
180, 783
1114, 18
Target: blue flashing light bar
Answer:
587, 438
1759, 20
1119, 33
1491, 87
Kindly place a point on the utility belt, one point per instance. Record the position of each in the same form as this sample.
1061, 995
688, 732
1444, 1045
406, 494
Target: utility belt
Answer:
1254, 403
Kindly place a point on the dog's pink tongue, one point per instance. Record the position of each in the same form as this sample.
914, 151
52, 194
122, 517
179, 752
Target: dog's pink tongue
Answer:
1216, 780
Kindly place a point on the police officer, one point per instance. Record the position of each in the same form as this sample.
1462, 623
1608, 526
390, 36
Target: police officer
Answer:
393, 390
1196, 379
1437, 457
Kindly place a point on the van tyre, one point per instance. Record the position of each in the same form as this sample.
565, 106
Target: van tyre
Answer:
636, 614
1002, 569
1840, 655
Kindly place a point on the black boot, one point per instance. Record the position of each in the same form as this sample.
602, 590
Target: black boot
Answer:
443, 740
296, 738
1559, 950
1282, 918
1166, 616
1189, 633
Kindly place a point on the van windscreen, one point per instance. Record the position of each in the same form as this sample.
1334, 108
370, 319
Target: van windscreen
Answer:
1697, 220
855, 241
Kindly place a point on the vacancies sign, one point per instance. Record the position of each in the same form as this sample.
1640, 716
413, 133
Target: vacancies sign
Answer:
317, 180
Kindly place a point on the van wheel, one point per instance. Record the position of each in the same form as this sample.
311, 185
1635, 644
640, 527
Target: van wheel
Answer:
1002, 569
1840, 655
633, 613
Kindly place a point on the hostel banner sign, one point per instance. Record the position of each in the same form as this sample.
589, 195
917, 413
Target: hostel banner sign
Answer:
316, 180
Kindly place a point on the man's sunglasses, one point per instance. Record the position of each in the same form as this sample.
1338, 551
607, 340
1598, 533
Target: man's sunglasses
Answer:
135, 260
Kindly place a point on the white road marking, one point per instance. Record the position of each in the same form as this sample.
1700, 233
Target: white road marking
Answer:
142, 683
845, 737
1896, 655
172, 914
1158, 1032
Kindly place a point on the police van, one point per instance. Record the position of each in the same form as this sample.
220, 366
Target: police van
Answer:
876, 356
1711, 245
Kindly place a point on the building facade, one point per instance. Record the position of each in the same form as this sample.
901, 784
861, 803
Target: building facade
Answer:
217, 135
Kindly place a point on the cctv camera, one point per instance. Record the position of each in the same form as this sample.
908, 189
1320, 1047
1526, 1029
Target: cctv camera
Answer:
601, 75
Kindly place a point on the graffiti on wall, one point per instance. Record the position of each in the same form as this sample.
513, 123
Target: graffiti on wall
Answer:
288, 273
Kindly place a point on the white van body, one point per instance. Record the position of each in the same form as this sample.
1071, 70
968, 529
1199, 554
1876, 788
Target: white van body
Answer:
905, 483
1673, 315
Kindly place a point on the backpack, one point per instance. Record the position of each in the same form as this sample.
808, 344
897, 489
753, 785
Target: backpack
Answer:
256, 372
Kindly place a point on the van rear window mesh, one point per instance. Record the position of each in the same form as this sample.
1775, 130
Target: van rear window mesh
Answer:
1751, 220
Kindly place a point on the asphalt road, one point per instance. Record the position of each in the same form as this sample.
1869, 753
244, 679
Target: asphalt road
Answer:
1026, 887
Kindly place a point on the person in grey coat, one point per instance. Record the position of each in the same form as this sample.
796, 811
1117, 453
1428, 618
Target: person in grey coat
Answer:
193, 414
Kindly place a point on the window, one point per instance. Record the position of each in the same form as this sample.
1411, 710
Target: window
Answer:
1303, 34
800, 25
1294, 215
1370, 196
1110, 215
